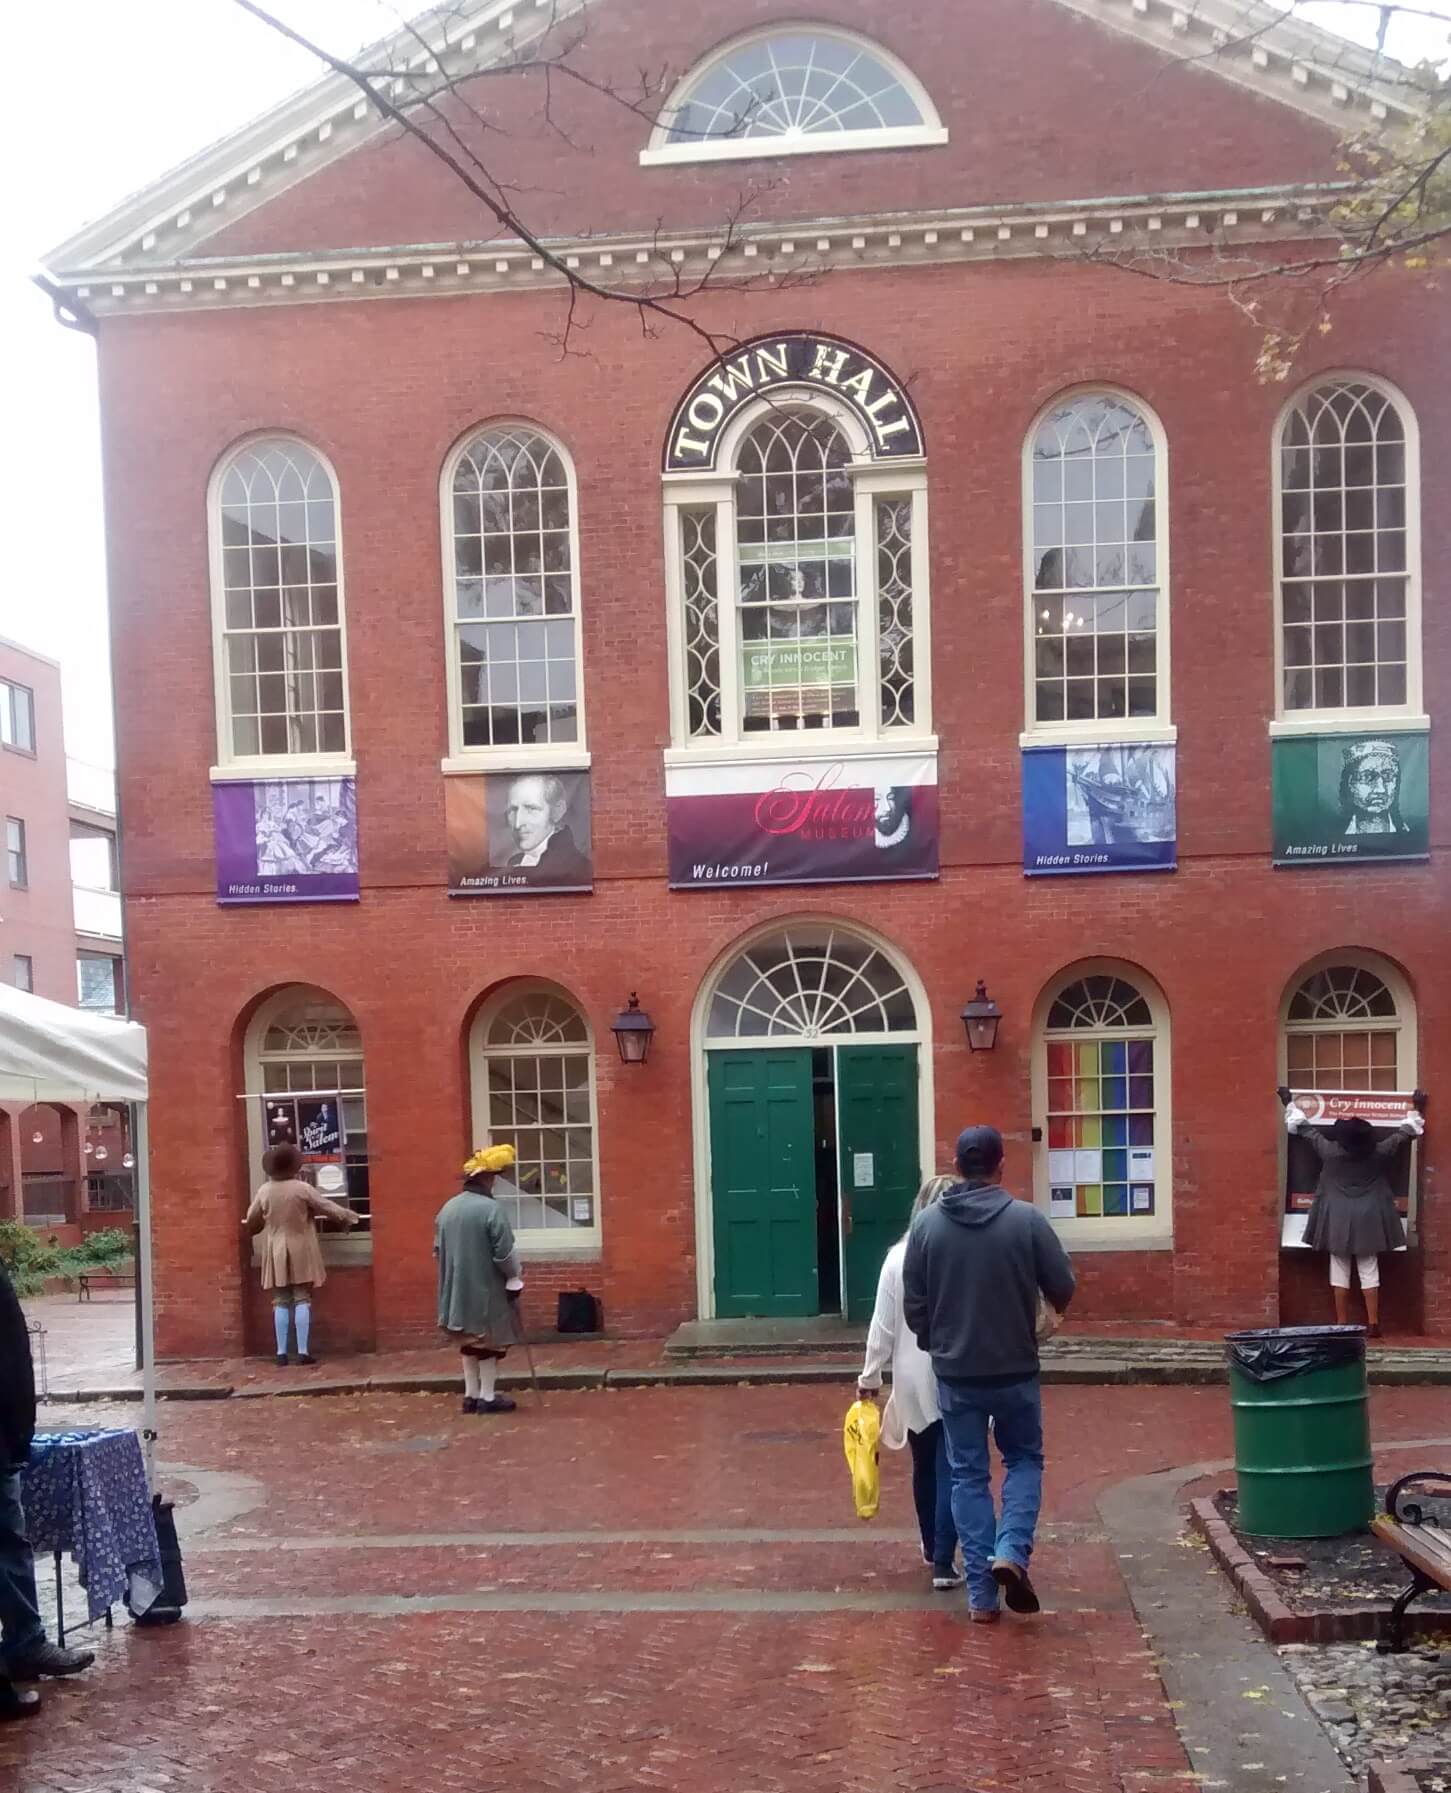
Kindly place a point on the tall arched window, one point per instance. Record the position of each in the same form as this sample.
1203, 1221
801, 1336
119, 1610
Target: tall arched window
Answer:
1101, 1099
1348, 1025
792, 92
533, 1077
1348, 478
1097, 569
304, 1067
798, 581
280, 659
512, 596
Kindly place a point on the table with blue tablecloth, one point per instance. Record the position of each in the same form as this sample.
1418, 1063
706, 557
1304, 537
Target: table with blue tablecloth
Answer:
85, 1492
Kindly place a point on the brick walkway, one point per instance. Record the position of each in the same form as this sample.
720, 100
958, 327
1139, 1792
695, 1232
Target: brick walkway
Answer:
643, 1589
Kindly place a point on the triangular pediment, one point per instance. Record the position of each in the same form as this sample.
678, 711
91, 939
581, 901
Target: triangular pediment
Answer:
201, 210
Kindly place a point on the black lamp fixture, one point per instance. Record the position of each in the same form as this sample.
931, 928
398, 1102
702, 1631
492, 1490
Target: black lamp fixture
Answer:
633, 1030
981, 1018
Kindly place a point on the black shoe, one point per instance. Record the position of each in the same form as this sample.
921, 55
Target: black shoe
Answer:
48, 1659
1018, 1591
17, 1702
306, 1357
499, 1404
282, 1360
945, 1576
471, 1404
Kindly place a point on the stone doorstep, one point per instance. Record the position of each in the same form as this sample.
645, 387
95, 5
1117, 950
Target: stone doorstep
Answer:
1336, 1625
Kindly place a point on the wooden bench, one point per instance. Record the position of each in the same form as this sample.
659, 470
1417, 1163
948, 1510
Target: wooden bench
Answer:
87, 1279
1422, 1545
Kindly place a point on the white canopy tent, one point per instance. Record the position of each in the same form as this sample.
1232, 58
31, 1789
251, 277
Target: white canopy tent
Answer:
50, 1053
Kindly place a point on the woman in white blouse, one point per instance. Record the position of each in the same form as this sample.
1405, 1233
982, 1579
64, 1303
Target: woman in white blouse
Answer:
911, 1416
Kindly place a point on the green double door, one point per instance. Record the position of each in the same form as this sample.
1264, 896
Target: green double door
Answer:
785, 1198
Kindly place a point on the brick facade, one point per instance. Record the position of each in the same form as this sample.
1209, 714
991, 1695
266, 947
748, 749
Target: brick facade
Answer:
385, 388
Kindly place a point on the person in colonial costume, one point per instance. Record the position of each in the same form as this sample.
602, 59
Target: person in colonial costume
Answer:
285, 1210
479, 1278
1354, 1214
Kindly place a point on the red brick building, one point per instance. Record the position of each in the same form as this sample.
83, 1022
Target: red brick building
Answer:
981, 559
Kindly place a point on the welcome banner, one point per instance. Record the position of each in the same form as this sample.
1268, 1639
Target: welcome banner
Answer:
786, 821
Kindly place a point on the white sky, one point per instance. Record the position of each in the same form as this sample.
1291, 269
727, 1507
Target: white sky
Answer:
128, 89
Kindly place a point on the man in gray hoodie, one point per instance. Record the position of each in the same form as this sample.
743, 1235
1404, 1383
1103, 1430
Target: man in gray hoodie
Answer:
976, 1262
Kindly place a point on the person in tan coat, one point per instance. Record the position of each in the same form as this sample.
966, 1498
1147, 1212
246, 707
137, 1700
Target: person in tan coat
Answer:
285, 1211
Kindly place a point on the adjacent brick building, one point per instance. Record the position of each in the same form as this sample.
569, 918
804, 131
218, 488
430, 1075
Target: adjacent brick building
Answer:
981, 559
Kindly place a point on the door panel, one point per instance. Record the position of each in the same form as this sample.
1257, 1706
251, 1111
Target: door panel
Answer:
763, 1183
876, 1106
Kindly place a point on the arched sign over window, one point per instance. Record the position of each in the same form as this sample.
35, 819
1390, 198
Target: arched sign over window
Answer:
808, 361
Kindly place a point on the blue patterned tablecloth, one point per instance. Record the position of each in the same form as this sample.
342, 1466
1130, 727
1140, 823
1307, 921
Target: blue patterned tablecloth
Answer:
86, 1492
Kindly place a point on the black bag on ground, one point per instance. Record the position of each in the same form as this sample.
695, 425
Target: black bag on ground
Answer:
1291, 1350
579, 1311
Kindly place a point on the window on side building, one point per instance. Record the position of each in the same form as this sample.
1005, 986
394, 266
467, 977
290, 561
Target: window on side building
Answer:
17, 863
511, 597
794, 92
1348, 582
17, 716
798, 581
23, 966
1101, 1086
278, 617
533, 1072
305, 1083
1095, 506
98, 983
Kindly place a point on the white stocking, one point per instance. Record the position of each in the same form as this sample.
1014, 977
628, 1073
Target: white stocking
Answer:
488, 1376
471, 1377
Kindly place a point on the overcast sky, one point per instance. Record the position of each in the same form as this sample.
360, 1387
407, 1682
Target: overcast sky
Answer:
128, 89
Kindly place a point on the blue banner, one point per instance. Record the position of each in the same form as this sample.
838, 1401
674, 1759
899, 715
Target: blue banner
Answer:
1099, 809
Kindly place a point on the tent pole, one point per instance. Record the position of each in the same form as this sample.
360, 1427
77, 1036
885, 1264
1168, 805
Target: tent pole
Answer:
141, 1146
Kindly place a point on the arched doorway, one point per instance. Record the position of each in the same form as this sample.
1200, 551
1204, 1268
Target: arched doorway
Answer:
813, 1120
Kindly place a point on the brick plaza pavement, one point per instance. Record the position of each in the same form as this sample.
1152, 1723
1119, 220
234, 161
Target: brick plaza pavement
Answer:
644, 1589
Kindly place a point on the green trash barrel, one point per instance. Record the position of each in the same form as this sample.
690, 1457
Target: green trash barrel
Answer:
1301, 1431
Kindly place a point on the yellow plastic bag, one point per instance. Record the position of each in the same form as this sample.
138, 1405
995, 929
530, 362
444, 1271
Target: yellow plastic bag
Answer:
862, 1437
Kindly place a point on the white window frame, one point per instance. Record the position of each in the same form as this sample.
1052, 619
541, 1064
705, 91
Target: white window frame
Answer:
351, 1247
539, 1242
11, 692
234, 766
1390, 974
558, 756
660, 151
871, 479
1384, 719
1151, 1232
1091, 731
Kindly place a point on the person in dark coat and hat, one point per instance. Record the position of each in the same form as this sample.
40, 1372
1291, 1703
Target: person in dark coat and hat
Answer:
27, 1653
479, 1278
1354, 1213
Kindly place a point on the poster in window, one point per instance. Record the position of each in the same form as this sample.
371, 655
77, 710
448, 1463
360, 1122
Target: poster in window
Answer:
518, 833
1385, 1110
1340, 798
787, 821
1099, 809
286, 840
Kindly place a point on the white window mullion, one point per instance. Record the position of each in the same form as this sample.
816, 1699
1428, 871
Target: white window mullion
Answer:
869, 649
921, 617
729, 573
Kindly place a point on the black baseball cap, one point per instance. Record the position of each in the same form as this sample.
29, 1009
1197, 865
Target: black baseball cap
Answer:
979, 1149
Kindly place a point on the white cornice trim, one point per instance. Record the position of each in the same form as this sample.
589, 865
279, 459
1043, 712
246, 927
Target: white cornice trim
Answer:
1312, 70
292, 141
1240, 220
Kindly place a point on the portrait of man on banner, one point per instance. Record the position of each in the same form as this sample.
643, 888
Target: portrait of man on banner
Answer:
1345, 797
519, 831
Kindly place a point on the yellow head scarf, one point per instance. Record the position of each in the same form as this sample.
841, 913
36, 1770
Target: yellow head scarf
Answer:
490, 1158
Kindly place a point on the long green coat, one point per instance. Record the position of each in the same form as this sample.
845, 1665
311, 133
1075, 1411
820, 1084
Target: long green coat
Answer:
474, 1244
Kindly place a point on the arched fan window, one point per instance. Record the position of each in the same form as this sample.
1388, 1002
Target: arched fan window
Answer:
810, 983
791, 92
534, 1089
1343, 1032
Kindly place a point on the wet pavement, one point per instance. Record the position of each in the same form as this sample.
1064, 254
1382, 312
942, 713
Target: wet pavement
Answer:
653, 1589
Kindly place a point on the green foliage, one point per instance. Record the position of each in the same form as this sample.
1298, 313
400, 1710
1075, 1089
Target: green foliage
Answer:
30, 1258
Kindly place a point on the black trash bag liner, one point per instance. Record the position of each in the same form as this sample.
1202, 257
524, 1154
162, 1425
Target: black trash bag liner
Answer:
579, 1311
1292, 1350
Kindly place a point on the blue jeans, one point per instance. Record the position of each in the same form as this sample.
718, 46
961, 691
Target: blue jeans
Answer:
20, 1626
1016, 1410
932, 1495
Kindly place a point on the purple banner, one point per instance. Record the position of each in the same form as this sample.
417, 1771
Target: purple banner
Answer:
287, 840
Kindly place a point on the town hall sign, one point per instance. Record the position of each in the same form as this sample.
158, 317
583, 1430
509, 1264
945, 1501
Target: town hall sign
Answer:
808, 361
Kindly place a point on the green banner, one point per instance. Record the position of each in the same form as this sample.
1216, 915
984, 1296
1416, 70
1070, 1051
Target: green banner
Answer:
1341, 797
765, 664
